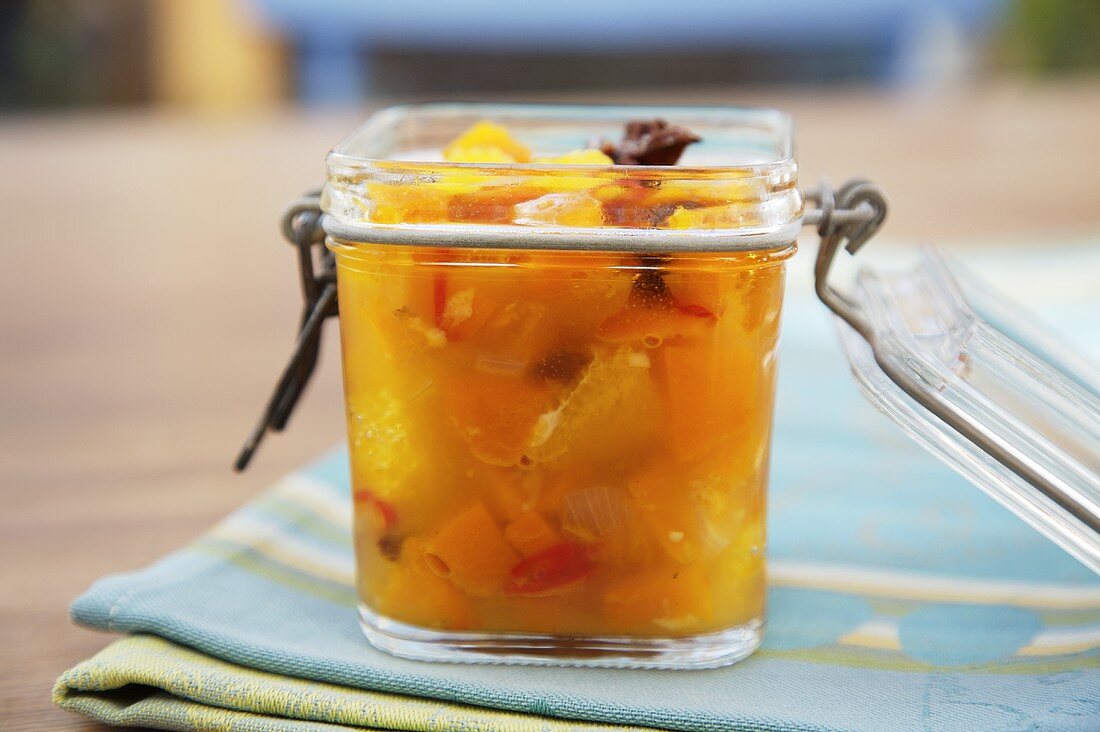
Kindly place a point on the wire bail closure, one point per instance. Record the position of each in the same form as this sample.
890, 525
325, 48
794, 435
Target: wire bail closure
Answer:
849, 216
301, 226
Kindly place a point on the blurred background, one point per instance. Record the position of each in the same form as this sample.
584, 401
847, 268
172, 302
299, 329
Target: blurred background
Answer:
243, 54
149, 146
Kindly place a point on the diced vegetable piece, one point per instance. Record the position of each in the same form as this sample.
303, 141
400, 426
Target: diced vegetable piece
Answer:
668, 514
464, 311
514, 338
580, 288
406, 204
552, 571
378, 428
380, 513
706, 193
530, 534
483, 135
560, 209
691, 519
652, 326
698, 292
496, 413
760, 296
709, 394
418, 307
594, 514
451, 184
424, 599
673, 600
510, 493
421, 333
611, 407
489, 204
472, 552
732, 216
602, 518
738, 578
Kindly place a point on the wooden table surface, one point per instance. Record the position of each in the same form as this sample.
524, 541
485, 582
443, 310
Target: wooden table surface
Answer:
148, 304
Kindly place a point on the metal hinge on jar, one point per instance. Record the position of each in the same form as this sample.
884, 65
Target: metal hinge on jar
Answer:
301, 227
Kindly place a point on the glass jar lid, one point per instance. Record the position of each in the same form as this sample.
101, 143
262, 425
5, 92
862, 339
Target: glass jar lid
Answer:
736, 188
983, 388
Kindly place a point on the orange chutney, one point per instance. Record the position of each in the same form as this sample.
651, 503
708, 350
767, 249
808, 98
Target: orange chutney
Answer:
565, 443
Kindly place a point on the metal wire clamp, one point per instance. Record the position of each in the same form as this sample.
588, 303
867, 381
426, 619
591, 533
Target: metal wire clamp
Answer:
301, 226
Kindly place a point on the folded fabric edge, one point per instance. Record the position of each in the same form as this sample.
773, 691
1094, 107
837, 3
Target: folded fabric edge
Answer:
98, 606
147, 680
156, 709
95, 607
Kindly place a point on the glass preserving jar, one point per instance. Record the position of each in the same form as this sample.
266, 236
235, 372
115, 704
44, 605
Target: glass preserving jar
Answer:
560, 388
559, 380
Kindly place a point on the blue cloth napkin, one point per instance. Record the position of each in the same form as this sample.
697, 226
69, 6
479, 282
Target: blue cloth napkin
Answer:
902, 598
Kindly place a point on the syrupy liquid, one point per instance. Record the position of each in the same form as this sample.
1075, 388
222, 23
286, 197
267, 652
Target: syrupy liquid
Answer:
568, 443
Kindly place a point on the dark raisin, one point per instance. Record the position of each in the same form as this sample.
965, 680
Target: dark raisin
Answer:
650, 288
650, 142
390, 546
560, 366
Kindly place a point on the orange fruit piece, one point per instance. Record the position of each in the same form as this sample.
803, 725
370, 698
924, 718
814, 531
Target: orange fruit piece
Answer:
709, 394
406, 204
531, 534
484, 135
707, 193
676, 601
652, 325
470, 550
577, 209
691, 519
698, 290
465, 310
489, 203
424, 599
731, 216
561, 181
496, 413
611, 410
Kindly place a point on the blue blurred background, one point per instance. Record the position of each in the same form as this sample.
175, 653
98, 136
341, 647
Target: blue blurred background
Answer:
240, 54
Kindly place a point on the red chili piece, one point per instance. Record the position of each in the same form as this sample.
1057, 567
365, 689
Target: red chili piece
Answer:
386, 510
549, 571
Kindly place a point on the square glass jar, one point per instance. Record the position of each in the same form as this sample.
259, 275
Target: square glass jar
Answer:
559, 382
